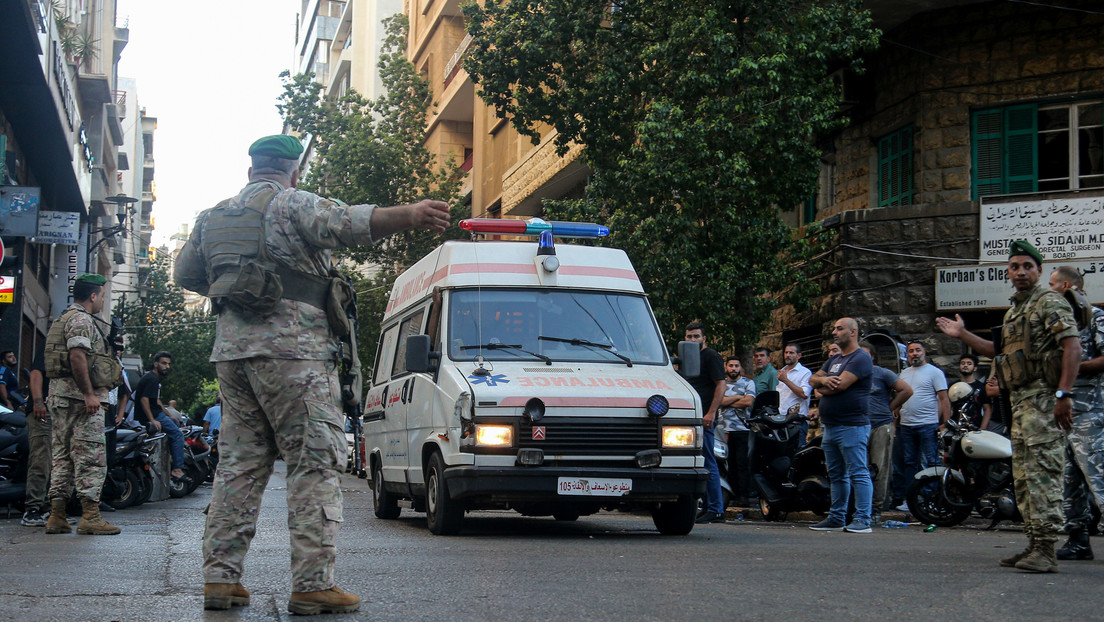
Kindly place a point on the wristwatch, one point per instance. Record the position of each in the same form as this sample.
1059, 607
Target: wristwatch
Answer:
1060, 394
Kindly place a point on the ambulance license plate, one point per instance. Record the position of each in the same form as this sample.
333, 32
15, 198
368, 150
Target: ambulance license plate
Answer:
593, 487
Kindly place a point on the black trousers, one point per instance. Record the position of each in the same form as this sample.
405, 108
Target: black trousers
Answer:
739, 465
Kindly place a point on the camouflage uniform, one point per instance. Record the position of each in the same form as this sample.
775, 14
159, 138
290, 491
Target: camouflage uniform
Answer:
78, 439
1038, 444
280, 396
1085, 451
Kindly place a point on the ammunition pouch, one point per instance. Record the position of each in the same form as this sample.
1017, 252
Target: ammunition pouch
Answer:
104, 371
251, 290
1082, 307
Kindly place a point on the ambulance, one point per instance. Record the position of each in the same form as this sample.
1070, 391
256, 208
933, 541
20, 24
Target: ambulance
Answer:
530, 376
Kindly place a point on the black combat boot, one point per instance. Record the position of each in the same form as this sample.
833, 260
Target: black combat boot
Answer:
1077, 547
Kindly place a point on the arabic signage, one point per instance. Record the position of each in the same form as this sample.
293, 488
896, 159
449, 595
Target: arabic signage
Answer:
19, 210
58, 227
7, 289
1069, 228
968, 288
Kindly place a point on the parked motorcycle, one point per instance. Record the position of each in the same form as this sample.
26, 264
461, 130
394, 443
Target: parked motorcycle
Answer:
197, 462
14, 451
129, 480
720, 453
788, 479
976, 475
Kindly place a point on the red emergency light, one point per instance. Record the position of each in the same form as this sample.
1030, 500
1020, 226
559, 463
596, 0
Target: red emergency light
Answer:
534, 226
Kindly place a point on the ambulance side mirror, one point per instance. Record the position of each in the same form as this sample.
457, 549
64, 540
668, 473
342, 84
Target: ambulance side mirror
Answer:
419, 358
689, 359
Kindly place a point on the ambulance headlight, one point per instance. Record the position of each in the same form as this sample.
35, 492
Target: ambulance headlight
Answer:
658, 406
679, 436
494, 435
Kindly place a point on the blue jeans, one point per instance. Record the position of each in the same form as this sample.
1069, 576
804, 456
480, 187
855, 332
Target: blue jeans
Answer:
713, 486
920, 447
176, 439
845, 453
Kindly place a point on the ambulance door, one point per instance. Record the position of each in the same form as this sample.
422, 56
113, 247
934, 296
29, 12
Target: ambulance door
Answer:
403, 392
384, 416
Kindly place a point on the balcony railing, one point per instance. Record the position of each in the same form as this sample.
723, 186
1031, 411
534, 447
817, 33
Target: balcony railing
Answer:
452, 67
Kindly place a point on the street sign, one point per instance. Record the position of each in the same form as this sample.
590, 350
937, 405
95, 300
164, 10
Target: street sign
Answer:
7, 288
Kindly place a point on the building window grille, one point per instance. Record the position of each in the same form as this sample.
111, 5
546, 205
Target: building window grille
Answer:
895, 168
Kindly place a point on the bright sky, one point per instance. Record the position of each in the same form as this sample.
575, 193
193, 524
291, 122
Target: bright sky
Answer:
209, 71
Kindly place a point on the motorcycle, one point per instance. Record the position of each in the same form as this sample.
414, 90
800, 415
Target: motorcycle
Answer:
14, 450
720, 453
129, 481
788, 479
976, 474
197, 462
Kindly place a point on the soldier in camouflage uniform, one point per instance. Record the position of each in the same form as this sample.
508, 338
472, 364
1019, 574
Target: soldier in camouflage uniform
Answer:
1039, 358
75, 350
1084, 478
277, 370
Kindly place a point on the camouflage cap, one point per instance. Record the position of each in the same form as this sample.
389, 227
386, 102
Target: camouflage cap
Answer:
277, 146
1023, 247
94, 279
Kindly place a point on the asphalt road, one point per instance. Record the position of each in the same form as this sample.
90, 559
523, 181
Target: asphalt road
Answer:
505, 567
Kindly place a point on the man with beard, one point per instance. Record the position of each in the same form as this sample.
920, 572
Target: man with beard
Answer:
148, 396
922, 414
794, 388
1038, 361
739, 396
710, 385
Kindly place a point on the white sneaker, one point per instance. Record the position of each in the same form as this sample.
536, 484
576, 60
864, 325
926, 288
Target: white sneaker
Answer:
903, 507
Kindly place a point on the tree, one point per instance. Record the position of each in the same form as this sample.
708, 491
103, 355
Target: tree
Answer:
161, 323
699, 119
374, 152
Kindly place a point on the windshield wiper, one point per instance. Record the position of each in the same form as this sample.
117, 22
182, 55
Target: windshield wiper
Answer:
495, 345
604, 347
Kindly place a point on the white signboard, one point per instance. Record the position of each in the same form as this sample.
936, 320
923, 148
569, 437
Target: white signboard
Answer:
1071, 228
58, 227
968, 288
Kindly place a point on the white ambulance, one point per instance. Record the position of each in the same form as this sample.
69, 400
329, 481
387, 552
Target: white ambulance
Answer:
529, 376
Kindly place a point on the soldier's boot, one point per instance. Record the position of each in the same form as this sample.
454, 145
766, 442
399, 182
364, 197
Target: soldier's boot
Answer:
333, 600
224, 595
92, 523
1010, 562
1041, 558
1077, 547
57, 523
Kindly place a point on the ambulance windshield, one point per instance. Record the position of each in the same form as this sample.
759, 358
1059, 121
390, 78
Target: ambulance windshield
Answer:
563, 325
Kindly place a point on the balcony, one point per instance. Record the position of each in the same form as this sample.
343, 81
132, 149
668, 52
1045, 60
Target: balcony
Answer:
452, 67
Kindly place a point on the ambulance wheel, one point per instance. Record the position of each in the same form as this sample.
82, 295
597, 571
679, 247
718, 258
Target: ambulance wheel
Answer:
443, 514
676, 518
386, 505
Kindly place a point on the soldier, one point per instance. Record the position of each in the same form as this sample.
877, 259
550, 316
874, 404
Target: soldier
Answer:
82, 369
1038, 360
263, 257
1084, 479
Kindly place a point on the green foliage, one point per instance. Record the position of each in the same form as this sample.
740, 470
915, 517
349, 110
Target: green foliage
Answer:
699, 120
160, 322
374, 152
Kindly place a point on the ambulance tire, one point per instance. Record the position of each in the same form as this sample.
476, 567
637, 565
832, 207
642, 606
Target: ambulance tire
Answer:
443, 514
385, 504
676, 518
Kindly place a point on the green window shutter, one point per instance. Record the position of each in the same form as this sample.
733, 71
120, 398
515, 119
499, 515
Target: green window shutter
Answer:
895, 168
1021, 149
987, 127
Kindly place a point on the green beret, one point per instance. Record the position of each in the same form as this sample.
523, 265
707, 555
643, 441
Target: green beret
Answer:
1023, 247
278, 146
94, 279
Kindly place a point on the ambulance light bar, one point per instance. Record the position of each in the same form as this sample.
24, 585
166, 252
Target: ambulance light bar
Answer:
534, 226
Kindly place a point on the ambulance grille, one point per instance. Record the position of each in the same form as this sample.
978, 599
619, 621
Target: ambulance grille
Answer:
591, 437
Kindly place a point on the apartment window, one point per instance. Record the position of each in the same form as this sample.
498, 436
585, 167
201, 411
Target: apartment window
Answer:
1038, 148
895, 168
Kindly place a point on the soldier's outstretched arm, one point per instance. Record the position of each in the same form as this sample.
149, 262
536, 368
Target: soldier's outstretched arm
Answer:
425, 214
957, 328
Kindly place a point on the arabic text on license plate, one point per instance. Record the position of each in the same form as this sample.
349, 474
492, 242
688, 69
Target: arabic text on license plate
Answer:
593, 487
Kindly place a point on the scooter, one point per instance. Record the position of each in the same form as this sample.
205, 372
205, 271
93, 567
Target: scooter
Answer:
197, 462
129, 480
788, 479
720, 453
976, 476
14, 450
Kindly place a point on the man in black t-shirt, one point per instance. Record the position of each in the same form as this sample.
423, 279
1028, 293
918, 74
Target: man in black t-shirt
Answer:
148, 407
710, 385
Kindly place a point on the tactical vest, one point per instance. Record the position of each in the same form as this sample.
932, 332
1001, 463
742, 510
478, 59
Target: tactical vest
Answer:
244, 277
104, 370
1018, 364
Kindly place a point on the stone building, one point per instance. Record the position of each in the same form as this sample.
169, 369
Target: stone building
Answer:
974, 124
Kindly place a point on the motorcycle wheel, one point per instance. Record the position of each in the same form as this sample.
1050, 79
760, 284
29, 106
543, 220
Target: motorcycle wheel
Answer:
129, 495
770, 512
193, 476
926, 503
179, 487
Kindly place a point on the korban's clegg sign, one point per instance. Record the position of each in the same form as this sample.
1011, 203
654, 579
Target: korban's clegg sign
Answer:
963, 288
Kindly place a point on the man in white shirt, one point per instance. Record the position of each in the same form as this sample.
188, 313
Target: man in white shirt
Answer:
923, 413
793, 386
